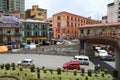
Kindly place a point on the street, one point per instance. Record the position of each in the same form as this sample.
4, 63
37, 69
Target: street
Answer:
50, 61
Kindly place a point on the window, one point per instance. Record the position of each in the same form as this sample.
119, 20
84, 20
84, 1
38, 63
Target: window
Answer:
88, 32
16, 30
118, 12
58, 18
71, 18
36, 34
44, 34
58, 24
67, 23
67, 17
8, 31
35, 27
68, 31
75, 19
75, 24
63, 30
72, 24
28, 27
28, 34
43, 27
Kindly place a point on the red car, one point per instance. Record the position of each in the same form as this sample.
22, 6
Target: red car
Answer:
71, 65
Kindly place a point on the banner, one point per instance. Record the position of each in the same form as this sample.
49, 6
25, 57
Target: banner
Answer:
10, 19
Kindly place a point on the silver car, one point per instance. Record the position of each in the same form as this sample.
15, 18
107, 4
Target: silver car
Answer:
25, 62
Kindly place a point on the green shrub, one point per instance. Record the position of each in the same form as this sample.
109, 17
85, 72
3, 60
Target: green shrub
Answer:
38, 75
82, 71
60, 78
13, 66
7, 66
102, 74
45, 70
89, 72
2, 66
105, 71
77, 78
58, 70
20, 68
38, 69
43, 67
25, 74
75, 72
32, 68
86, 78
51, 71
18, 74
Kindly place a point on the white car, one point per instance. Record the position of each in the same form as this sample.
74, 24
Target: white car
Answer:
82, 59
25, 62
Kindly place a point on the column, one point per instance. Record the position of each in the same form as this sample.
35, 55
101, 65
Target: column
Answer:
82, 47
117, 60
89, 51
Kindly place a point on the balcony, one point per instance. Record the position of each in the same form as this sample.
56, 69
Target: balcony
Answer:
12, 34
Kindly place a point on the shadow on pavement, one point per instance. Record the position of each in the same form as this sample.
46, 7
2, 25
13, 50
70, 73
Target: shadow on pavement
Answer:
103, 65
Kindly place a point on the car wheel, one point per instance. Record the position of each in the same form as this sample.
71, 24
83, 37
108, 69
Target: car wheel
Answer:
78, 68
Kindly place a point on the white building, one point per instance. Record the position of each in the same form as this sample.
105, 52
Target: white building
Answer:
113, 11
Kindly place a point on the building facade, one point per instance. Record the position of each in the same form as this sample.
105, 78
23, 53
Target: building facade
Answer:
113, 11
12, 5
10, 30
35, 32
49, 20
36, 13
65, 25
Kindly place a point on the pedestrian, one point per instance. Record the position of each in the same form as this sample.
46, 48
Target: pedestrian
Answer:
97, 68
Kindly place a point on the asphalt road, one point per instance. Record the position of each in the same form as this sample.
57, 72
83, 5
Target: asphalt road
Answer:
52, 61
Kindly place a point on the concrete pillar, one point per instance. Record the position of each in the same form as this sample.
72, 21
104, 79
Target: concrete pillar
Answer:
89, 51
117, 60
82, 47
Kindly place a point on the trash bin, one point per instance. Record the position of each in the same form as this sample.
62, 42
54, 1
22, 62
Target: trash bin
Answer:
115, 73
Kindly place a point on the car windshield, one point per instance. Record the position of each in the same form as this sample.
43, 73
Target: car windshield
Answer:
24, 61
86, 59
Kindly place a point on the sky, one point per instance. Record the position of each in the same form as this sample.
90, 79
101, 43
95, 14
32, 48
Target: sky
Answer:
86, 8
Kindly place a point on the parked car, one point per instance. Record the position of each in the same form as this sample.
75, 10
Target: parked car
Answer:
107, 58
25, 62
82, 59
102, 53
71, 65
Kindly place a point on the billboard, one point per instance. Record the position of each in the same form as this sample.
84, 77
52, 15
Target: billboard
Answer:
10, 19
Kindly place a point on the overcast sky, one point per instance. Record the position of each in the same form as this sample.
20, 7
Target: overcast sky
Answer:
94, 8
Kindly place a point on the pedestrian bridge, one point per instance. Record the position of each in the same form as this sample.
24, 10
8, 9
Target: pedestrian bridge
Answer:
107, 34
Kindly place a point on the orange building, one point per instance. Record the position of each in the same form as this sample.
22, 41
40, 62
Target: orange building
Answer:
65, 25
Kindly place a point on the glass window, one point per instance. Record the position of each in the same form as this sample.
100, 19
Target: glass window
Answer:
58, 18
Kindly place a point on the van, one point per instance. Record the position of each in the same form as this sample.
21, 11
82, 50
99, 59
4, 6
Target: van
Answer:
82, 59
102, 53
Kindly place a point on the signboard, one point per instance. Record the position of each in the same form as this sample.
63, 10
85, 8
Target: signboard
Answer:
10, 19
